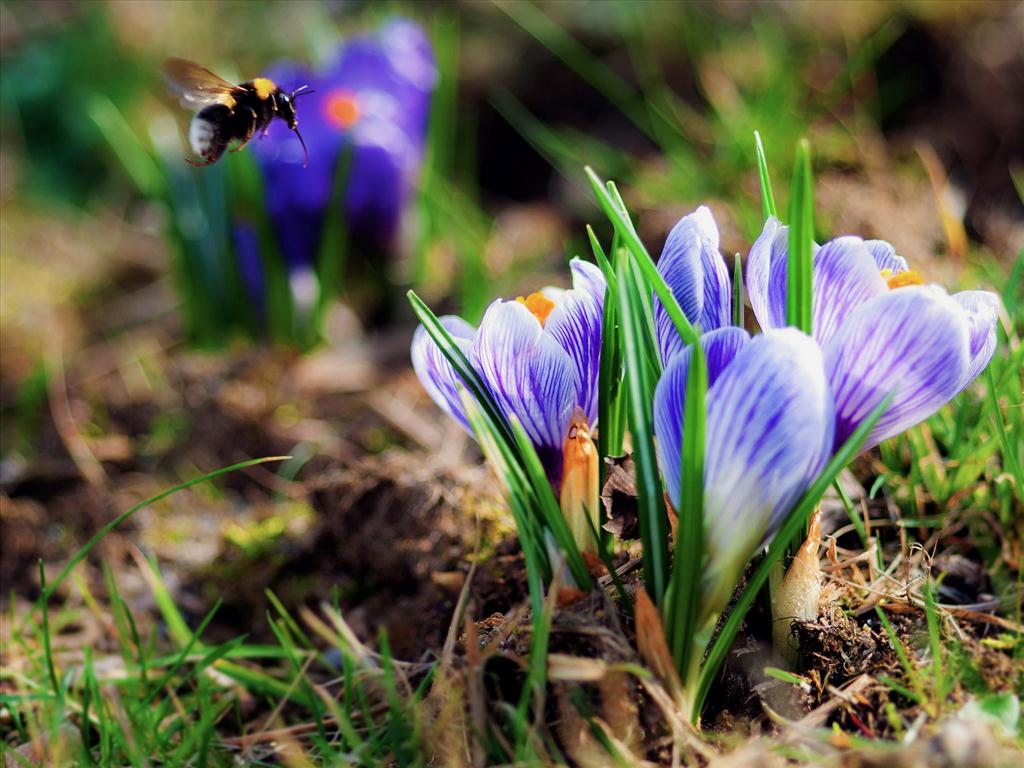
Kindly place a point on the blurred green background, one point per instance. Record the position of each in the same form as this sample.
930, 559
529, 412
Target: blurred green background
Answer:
913, 110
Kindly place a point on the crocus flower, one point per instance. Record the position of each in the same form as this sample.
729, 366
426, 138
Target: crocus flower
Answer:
370, 104
540, 359
769, 433
695, 271
881, 329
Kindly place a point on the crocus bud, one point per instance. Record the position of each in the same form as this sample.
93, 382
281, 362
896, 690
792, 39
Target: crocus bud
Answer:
796, 598
580, 481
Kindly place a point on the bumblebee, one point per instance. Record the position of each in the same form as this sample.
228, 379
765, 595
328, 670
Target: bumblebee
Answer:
226, 112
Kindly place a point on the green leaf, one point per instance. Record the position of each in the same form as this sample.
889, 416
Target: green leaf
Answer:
784, 676
81, 554
794, 521
687, 564
639, 391
767, 198
624, 227
737, 293
470, 378
499, 456
1010, 458
799, 268
549, 508
136, 159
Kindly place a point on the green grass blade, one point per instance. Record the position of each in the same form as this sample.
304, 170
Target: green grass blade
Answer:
182, 655
611, 429
639, 392
624, 229
602, 260
1010, 458
687, 564
595, 72
767, 198
82, 553
136, 159
790, 528
549, 507
801, 242
470, 378
738, 307
538, 570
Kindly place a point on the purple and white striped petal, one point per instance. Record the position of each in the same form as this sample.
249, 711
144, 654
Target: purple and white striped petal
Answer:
695, 271
588, 277
771, 418
530, 376
720, 348
981, 309
575, 323
766, 275
845, 276
435, 372
912, 341
769, 433
885, 256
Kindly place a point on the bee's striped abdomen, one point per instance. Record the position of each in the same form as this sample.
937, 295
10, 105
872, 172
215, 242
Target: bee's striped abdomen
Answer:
208, 133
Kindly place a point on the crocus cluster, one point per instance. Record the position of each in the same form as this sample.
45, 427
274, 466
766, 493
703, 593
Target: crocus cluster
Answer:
367, 114
778, 404
539, 356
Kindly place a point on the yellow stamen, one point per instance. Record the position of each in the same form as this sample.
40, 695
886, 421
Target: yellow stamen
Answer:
580, 481
539, 305
902, 279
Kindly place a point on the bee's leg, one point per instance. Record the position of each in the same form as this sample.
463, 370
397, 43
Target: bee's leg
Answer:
249, 132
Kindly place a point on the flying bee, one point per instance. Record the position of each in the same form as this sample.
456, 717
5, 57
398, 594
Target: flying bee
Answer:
226, 112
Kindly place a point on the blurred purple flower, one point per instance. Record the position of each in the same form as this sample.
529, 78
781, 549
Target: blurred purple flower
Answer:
880, 328
372, 98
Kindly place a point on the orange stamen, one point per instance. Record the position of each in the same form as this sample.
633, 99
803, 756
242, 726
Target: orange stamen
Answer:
902, 279
342, 109
540, 306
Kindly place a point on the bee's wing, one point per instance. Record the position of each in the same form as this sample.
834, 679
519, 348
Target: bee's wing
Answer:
196, 85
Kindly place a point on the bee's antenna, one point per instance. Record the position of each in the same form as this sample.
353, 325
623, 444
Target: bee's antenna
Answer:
302, 91
305, 152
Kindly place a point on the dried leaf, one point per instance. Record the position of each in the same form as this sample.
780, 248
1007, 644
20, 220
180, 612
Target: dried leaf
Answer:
568, 596
651, 643
619, 498
577, 669
619, 708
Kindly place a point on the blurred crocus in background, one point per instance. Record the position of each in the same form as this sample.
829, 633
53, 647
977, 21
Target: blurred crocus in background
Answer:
539, 356
365, 125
